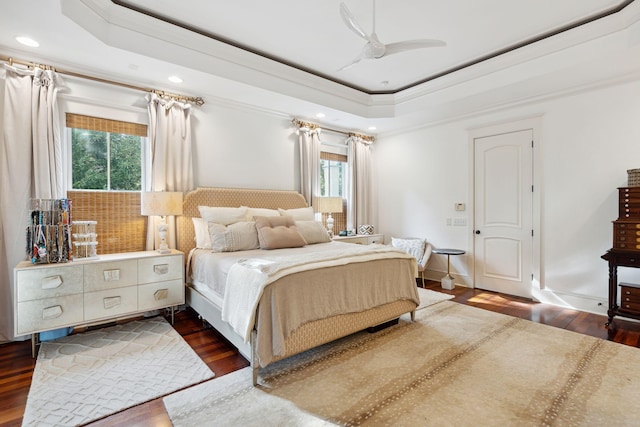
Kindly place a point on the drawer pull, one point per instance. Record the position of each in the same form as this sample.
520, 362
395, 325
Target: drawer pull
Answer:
161, 294
161, 268
51, 312
51, 282
111, 275
111, 302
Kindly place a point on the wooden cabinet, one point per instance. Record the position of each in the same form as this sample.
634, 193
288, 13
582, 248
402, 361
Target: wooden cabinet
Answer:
625, 253
361, 239
89, 291
630, 298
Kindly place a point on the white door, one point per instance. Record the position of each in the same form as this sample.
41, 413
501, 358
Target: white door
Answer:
503, 217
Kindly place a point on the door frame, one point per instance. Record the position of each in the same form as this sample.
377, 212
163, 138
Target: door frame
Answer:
535, 124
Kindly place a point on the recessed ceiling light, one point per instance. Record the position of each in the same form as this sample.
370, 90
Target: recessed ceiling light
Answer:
175, 79
27, 41
372, 128
320, 115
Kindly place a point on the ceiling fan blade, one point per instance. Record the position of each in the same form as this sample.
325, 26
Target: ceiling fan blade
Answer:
404, 46
355, 61
350, 21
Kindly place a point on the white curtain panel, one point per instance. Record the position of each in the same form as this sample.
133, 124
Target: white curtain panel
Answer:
30, 167
359, 183
171, 159
309, 164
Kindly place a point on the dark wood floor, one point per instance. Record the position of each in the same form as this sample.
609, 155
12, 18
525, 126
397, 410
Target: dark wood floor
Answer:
16, 364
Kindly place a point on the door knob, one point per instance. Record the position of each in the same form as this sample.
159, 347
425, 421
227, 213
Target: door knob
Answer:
477, 231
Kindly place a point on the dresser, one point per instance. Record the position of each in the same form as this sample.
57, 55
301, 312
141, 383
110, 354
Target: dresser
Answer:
361, 239
625, 252
93, 291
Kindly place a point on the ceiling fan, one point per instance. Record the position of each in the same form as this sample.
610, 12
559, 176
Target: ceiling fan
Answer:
375, 49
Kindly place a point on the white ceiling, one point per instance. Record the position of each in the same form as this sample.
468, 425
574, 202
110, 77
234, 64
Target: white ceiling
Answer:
285, 55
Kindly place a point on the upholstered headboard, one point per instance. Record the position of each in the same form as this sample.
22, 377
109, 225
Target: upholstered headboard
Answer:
229, 197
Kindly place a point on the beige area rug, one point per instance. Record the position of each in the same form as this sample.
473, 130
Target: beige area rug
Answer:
429, 297
455, 366
83, 377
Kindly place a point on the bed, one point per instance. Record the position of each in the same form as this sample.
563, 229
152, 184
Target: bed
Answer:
271, 306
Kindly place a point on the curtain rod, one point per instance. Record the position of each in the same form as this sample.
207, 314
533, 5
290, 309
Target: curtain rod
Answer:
301, 123
195, 100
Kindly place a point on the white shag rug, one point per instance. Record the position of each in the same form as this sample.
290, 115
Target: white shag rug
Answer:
87, 376
429, 297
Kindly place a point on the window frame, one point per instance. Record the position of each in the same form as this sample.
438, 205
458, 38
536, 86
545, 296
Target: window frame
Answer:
110, 126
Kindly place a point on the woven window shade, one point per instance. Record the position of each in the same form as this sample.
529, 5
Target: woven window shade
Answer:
333, 156
121, 227
79, 121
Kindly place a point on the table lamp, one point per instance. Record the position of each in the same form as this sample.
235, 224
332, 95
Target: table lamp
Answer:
161, 203
329, 205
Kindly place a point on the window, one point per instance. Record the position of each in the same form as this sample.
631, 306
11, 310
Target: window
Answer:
105, 154
332, 174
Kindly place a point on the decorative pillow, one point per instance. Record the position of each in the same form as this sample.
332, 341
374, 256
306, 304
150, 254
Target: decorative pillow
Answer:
276, 232
299, 214
221, 215
239, 236
203, 238
412, 246
313, 232
251, 212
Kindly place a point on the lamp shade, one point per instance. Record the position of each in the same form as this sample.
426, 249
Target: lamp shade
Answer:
161, 203
329, 204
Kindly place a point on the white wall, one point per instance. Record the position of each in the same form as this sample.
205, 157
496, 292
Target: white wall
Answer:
588, 141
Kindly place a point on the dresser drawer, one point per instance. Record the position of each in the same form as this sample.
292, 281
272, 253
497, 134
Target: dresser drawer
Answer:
36, 283
109, 275
110, 303
51, 313
160, 268
161, 294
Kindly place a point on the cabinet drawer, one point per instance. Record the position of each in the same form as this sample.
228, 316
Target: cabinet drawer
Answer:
51, 313
161, 294
160, 268
108, 275
37, 283
631, 307
110, 303
376, 239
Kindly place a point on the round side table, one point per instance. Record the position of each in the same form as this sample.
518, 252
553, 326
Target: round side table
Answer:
447, 281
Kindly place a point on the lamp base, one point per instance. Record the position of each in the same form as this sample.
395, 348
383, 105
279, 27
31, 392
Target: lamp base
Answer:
163, 251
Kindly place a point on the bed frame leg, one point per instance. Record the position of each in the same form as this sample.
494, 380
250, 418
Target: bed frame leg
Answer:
254, 358
413, 316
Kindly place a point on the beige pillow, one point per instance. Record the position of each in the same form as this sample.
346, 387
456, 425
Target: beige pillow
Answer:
276, 232
299, 214
313, 232
239, 236
222, 215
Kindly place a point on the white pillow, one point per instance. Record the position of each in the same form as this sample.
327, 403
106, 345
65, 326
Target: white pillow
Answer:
313, 232
203, 238
412, 246
299, 214
251, 212
239, 236
221, 215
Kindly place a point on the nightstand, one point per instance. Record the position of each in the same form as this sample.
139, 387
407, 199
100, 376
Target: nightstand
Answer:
361, 239
93, 291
